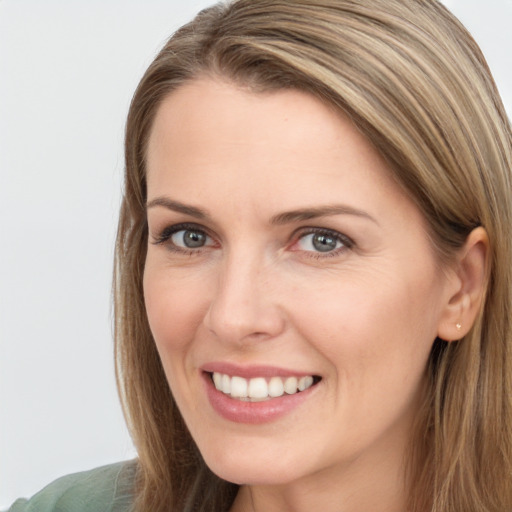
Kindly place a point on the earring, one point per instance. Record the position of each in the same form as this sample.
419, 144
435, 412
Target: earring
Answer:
458, 325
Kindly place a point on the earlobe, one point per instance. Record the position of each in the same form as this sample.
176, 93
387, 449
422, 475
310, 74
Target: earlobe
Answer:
469, 286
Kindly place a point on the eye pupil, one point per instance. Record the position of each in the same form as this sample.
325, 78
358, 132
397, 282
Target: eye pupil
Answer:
194, 239
324, 243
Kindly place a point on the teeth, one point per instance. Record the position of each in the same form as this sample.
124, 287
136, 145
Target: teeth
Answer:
217, 380
305, 383
275, 387
290, 385
259, 388
238, 387
226, 384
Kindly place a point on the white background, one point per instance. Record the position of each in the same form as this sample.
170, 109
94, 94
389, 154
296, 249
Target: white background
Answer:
67, 73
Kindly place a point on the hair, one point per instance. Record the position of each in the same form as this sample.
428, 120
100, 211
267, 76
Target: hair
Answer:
415, 83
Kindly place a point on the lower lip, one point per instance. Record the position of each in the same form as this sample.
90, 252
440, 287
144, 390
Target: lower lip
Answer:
266, 411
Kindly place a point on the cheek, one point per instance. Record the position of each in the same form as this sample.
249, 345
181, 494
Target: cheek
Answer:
174, 309
370, 325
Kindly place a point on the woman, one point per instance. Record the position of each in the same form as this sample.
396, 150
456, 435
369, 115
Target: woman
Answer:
312, 284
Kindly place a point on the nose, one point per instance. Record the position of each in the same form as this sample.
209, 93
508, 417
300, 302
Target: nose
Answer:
244, 305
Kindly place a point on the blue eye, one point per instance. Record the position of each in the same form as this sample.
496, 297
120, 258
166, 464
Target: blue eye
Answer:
322, 242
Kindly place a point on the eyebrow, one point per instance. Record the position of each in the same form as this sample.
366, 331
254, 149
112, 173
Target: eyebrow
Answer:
298, 215
321, 211
176, 206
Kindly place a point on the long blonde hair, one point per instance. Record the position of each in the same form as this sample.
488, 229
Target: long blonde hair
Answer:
415, 83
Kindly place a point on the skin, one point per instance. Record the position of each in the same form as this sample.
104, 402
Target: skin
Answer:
363, 316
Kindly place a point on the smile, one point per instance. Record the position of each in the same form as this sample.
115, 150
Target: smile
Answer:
260, 389
256, 394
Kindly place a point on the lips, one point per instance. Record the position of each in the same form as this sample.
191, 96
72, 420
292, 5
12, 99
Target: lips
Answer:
256, 394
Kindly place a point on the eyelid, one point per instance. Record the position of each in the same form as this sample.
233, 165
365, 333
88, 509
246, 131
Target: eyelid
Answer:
164, 235
347, 242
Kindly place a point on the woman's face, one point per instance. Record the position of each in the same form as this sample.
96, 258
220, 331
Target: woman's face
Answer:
282, 255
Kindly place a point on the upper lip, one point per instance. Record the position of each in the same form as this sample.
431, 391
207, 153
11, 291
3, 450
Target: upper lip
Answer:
252, 371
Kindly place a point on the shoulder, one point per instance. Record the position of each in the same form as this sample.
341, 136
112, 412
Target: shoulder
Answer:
105, 489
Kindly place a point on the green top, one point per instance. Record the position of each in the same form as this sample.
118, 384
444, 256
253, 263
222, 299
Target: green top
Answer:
105, 489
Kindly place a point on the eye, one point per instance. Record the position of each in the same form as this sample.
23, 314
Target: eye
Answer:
189, 238
322, 241
184, 238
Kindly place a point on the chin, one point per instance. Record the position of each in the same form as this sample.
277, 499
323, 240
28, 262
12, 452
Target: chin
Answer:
246, 469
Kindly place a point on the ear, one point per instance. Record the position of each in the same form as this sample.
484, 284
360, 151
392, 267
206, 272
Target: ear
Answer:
467, 289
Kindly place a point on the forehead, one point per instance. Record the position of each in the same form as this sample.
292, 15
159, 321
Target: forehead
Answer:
192, 108
215, 142
216, 115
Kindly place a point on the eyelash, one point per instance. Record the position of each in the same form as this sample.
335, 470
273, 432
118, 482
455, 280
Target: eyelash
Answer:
166, 234
347, 243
